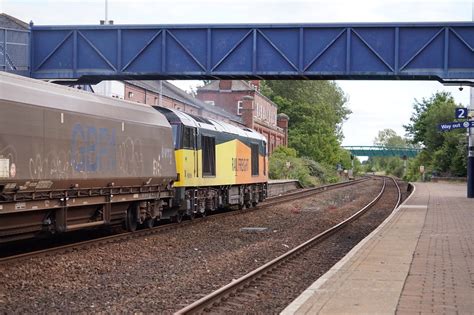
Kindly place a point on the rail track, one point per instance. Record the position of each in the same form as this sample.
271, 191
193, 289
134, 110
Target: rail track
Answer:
102, 241
234, 296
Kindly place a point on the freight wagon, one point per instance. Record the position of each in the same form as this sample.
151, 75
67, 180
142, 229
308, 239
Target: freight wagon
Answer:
71, 159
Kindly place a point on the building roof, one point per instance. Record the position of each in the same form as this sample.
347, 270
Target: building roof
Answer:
237, 85
8, 21
173, 92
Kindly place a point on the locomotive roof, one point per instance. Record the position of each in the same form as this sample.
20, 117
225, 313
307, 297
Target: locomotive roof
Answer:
39, 93
211, 124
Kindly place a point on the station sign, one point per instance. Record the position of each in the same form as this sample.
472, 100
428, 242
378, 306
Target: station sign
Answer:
461, 113
456, 125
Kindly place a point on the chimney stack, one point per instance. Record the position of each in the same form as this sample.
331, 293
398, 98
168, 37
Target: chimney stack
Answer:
247, 111
225, 85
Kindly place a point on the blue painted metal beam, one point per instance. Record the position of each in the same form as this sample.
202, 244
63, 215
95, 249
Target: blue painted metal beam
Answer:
428, 51
379, 151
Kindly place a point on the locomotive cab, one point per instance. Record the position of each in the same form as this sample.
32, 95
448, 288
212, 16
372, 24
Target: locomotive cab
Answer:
218, 164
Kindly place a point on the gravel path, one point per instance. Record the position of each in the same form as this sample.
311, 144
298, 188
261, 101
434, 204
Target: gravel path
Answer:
165, 272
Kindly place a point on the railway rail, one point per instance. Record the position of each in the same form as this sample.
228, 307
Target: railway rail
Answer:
234, 295
102, 241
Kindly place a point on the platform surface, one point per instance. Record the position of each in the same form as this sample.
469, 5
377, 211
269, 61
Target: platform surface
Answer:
419, 261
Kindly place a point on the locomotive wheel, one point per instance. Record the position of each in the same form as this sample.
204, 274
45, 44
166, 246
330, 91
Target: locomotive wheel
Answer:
131, 219
254, 204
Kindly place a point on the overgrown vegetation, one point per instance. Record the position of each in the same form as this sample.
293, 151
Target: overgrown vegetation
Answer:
316, 110
285, 164
444, 153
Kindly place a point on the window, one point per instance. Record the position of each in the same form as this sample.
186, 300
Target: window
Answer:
239, 108
210, 102
156, 101
174, 128
208, 156
188, 138
254, 158
130, 94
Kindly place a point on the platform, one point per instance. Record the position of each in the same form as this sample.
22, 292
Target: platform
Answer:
278, 187
420, 260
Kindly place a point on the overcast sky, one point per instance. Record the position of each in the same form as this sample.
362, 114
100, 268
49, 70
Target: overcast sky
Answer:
375, 105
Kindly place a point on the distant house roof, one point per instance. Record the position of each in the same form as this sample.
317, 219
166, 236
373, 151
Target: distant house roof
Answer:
8, 21
237, 85
173, 92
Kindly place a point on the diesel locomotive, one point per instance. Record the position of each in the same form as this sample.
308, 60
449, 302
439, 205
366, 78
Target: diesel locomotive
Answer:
71, 159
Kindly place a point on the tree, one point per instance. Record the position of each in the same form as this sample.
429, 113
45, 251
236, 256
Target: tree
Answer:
389, 138
390, 165
316, 110
444, 153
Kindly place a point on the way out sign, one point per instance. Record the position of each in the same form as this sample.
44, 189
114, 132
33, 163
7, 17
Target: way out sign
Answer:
455, 125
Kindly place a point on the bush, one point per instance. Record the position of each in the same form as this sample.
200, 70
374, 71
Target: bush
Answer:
284, 164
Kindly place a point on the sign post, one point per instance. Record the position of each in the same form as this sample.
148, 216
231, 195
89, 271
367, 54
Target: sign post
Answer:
470, 164
470, 145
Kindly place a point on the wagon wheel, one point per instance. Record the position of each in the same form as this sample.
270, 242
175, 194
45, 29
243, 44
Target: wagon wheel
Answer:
131, 218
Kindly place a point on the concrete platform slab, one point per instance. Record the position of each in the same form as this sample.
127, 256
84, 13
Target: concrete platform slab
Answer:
420, 260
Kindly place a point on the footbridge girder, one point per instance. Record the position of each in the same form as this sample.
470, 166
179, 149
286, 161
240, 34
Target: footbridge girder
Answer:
411, 51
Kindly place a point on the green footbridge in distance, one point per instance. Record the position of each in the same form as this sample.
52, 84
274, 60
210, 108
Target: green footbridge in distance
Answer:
373, 151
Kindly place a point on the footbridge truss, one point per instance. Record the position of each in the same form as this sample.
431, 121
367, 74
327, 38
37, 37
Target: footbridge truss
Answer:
427, 51
381, 151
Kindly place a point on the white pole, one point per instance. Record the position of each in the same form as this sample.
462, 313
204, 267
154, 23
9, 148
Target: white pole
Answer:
106, 13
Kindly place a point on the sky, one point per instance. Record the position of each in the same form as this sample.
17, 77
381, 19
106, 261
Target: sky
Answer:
375, 105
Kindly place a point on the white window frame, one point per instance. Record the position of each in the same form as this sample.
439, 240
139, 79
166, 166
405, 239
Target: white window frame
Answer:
240, 106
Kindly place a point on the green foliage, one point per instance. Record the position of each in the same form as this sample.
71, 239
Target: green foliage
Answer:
316, 110
389, 138
388, 165
444, 153
284, 164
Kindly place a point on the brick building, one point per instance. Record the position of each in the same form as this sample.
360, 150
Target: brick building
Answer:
243, 99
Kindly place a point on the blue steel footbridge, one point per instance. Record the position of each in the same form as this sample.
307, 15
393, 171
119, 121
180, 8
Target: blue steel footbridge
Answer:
407, 51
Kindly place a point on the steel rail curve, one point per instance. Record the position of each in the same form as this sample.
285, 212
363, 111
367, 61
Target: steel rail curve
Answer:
159, 229
206, 303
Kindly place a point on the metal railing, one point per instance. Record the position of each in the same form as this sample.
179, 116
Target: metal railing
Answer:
15, 51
